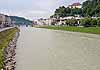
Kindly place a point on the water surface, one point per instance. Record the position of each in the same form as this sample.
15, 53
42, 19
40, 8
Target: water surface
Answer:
43, 49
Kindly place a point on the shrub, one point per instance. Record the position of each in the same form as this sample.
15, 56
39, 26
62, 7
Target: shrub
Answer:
98, 22
93, 22
71, 22
86, 22
67, 22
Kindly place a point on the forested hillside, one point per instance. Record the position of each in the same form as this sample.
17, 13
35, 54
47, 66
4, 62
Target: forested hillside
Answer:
20, 20
89, 8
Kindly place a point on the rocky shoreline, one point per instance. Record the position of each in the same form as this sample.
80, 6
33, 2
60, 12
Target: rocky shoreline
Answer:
9, 54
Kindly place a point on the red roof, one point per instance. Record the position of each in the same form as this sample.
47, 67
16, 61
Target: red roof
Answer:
76, 4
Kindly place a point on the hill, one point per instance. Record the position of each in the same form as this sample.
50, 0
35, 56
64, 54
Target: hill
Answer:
20, 20
89, 8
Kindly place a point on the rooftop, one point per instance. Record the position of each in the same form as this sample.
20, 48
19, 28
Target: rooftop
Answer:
75, 4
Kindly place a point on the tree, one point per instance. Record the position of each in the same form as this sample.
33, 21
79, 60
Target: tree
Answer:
60, 12
97, 11
76, 11
91, 8
64, 12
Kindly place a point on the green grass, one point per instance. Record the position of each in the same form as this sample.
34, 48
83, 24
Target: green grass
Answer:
5, 38
92, 30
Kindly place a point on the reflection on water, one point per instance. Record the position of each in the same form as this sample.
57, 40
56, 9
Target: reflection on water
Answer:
42, 49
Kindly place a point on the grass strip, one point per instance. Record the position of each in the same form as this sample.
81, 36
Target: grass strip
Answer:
92, 30
5, 37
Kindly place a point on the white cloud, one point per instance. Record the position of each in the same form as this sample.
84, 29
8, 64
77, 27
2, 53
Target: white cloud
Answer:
32, 9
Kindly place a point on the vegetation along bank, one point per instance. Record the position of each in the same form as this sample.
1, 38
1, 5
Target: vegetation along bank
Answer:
7, 48
92, 30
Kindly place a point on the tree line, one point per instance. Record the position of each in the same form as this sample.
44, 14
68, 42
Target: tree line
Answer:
86, 22
64, 12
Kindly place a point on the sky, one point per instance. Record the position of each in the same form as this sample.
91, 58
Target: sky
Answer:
33, 9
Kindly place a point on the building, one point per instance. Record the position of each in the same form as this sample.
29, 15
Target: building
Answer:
5, 21
2, 20
41, 21
75, 5
8, 21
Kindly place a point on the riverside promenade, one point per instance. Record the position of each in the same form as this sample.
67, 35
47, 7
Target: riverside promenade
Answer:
44, 49
3, 29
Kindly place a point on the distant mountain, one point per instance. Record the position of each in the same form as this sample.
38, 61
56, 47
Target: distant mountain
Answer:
20, 20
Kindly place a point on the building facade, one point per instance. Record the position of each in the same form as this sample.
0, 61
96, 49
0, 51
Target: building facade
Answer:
5, 21
75, 5
2, 20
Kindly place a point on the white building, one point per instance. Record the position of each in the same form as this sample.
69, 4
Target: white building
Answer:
75, 5
4, 20
8, 21
45, 21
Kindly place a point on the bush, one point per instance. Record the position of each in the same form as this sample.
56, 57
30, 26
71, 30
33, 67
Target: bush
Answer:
71, 22
67, 22
98, 22
94, 22
86, 22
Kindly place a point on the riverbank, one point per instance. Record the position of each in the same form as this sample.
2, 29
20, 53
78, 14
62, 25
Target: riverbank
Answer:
92, 30
8, 40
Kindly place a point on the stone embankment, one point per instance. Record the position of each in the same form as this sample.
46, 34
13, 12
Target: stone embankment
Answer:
10, 62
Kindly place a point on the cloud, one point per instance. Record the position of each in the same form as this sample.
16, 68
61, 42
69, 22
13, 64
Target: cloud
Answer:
32, 9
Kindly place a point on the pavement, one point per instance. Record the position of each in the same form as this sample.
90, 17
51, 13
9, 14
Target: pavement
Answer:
3, 29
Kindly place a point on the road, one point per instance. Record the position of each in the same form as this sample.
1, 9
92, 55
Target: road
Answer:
43, 49
3, 29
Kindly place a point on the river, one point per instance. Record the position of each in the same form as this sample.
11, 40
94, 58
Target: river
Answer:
43, 49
